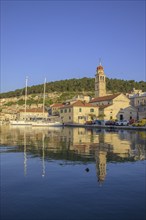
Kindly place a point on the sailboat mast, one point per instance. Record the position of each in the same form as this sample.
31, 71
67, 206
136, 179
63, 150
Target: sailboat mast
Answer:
44, 97
25, 94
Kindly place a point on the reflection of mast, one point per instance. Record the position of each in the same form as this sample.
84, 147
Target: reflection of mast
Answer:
43, 157
25, 155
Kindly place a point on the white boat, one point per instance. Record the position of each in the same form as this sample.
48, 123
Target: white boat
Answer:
39, 123
46, 124
21, 122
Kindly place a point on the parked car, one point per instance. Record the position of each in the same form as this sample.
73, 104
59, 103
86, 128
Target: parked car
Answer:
88, 123
131, 121
122, 122
110, 123
97, 122
141, 122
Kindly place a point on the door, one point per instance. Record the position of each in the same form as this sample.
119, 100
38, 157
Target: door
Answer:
121, 117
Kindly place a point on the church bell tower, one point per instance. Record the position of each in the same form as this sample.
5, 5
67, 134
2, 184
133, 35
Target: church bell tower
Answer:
100, 82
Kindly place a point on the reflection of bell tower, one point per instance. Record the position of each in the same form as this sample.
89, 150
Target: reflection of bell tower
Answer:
100, 82
101, 165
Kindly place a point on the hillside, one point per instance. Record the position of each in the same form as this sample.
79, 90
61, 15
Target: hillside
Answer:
78, 86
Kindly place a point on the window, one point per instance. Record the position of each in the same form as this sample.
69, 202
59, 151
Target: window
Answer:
61, 111
102, 78
69, 118
65, 110
80, 110
91, 110
69, 109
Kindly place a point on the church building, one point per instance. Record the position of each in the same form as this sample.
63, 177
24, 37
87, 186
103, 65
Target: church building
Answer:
115, 106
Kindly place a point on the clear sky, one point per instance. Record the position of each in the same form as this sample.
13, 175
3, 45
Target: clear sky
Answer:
65, 39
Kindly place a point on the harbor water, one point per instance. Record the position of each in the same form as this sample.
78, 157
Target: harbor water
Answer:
72, 173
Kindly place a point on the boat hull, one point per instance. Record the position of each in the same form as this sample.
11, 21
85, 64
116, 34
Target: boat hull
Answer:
21, 123
46, 124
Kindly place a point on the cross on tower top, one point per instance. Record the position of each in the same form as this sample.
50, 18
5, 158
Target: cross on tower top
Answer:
100, 61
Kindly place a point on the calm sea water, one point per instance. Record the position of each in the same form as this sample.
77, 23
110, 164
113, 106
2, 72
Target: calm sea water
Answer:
72, 174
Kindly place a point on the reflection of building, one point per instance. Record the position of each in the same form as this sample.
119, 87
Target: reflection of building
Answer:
101, 165
118, 145
76, 144
140, 152
79, 136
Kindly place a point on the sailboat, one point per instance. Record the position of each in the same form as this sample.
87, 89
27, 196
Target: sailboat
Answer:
25, 121
46, 121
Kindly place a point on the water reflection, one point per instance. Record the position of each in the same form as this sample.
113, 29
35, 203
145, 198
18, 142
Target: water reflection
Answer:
75, 145
25, 155
43, 156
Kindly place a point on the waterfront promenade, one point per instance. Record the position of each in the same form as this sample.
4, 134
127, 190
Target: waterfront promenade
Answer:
114, 127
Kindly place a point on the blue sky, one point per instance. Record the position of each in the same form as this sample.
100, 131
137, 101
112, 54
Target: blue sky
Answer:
65, 39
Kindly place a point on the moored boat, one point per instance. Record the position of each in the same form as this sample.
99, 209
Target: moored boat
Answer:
46, 123
21, 122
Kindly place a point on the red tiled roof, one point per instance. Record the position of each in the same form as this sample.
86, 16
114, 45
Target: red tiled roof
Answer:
78, 104
100, 67
105, 98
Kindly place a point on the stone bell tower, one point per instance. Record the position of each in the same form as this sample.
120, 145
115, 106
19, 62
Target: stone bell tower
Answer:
100, 82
